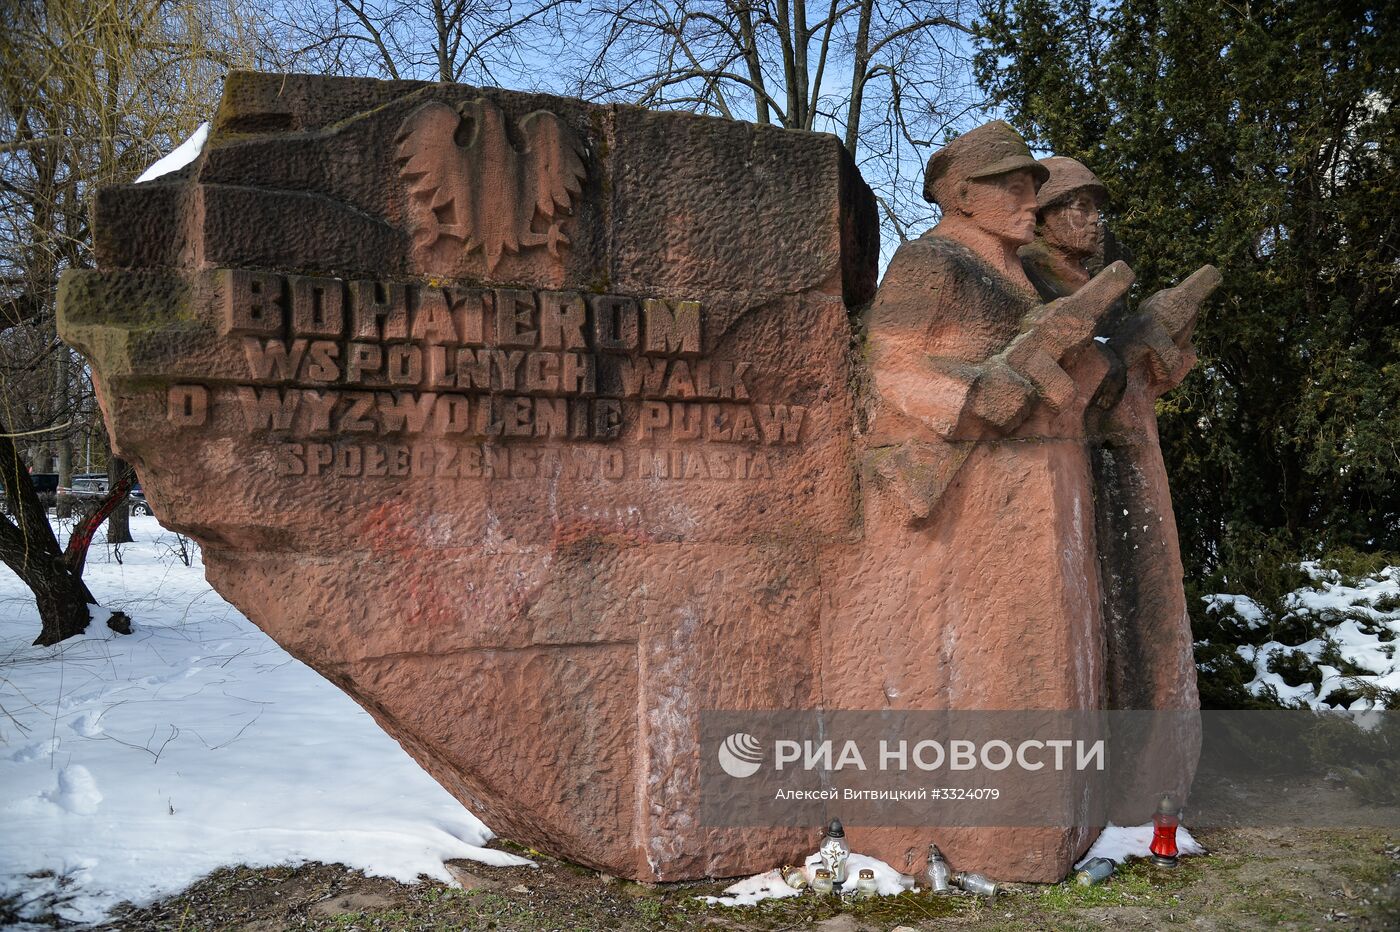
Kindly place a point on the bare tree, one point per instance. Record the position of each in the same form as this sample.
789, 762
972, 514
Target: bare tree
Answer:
490, 41
90, 93
890, 77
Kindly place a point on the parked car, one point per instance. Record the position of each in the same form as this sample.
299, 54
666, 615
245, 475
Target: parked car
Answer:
84, 489
137, 501
45, 486
45, 483
91, 487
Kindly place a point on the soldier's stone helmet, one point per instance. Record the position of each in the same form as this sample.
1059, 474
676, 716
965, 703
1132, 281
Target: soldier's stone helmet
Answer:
987, 151
1068, 177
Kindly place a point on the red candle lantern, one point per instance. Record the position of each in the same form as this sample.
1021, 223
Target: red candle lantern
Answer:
1164, 823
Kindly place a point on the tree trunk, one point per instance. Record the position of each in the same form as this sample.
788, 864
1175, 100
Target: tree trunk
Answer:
119, 524
63, 413
63, 599
752, 59
28, 546
858, 76
444, 42
789, 64
800, 119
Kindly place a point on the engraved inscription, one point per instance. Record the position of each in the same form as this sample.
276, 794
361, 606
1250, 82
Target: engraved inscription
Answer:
187, 405
379, 378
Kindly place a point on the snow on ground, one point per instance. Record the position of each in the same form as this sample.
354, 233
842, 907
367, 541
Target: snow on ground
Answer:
1120, 842
1357, 632
1116, 842
771, 885
133, 765
183, 154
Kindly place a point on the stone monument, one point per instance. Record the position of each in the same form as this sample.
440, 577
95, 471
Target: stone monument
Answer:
539, 427
521, 420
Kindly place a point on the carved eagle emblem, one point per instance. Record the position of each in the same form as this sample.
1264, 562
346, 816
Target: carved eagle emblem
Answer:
471, 184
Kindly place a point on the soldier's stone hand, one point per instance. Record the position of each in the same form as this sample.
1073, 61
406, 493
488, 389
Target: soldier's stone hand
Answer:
1061, 327
1001, 397
1160, 333
1142, 340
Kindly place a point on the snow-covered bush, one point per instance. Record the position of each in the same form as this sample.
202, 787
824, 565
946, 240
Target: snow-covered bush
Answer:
1331, 643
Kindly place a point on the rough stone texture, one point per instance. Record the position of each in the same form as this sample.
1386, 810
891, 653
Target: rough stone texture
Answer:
976, 573
535, 427
541, 641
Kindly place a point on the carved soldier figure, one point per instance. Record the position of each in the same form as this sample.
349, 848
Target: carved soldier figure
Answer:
961, 348
1071, 232
1071, 244
1148, 658
978, 551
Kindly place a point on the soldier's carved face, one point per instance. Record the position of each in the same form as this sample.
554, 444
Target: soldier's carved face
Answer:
1073, 225
1002, 206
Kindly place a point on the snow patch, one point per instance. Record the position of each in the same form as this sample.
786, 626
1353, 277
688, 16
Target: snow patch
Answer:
77, 791
1361, 634
36, 751
183, 154
1120, 842
192, 744
1243, 605
770, 885
88, 724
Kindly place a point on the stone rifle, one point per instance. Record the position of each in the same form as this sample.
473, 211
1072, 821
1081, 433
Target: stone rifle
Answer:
1053, 332
999, 393
1163, 325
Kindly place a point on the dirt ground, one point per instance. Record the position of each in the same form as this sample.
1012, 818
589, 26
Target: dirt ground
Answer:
1251, 879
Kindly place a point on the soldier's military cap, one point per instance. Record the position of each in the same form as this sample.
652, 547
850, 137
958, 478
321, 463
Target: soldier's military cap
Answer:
987, 151
1066, 177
